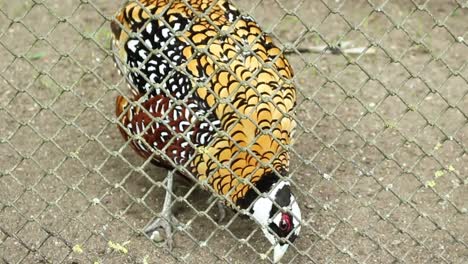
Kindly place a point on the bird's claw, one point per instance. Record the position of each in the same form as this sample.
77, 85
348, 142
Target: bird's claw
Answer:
156, 228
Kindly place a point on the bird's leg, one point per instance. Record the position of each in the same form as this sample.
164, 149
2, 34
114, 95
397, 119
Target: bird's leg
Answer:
221, 211
162, 223
220, 206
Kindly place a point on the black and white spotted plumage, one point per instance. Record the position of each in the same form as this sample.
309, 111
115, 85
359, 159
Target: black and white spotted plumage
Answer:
214, 95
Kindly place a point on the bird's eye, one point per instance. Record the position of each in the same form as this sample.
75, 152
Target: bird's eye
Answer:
285, 223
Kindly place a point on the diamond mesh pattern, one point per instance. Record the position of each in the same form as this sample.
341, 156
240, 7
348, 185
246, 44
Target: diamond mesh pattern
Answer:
379, 162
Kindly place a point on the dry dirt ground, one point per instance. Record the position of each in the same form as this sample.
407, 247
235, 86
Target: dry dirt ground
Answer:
380, 162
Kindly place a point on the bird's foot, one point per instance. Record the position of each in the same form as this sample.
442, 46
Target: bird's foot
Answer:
161, 230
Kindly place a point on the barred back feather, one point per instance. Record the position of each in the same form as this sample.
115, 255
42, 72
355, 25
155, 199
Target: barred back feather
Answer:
215, 94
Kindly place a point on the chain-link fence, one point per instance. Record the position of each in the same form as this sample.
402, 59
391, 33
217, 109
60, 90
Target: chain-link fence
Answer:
379, 162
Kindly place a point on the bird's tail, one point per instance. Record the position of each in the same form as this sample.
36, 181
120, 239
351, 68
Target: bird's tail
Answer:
121, 104
122, 114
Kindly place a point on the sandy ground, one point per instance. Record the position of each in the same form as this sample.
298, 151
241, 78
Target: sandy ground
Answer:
380, 163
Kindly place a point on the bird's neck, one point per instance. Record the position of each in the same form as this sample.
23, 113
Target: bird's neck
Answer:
263, 185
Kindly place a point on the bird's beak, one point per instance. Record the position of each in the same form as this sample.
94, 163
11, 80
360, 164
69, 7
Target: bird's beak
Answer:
279, 251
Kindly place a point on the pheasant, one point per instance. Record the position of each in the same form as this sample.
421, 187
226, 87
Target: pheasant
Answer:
212, 99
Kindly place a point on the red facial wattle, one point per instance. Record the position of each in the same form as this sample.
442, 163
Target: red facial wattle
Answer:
285, 224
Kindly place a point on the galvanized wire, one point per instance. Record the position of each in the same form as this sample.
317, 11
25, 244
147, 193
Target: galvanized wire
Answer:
379, 163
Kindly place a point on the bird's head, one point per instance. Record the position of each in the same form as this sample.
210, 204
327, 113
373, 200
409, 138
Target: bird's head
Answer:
279, 215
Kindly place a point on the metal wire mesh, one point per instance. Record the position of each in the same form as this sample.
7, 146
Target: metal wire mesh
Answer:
379, 162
